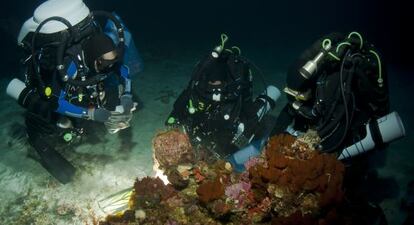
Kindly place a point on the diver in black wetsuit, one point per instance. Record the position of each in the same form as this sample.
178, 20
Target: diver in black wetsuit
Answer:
339, 88
217, 109
75, 72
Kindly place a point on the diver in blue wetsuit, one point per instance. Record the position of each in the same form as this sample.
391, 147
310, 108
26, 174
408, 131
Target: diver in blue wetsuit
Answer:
218, 110
75, 73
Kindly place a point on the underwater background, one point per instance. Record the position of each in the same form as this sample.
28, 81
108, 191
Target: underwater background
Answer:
171, 37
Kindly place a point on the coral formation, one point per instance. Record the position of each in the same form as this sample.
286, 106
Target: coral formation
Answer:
149, 192
301, 178
290, 183
209, 191
172, 148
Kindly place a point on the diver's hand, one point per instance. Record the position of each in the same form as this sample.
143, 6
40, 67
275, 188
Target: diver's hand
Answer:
121, 117
98, 114
118, 121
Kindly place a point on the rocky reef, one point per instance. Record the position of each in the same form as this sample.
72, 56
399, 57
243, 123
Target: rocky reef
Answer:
290, 183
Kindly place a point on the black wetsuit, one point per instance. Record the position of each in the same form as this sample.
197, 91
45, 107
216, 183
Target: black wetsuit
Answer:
208, 126
324, 111
214, 125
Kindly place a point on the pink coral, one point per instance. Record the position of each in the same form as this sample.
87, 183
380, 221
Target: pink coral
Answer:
237, 192
255, 161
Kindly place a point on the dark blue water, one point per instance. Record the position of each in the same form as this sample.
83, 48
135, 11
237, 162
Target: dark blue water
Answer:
287, 26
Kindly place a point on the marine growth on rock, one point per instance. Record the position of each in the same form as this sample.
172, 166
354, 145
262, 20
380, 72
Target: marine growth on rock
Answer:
290, 183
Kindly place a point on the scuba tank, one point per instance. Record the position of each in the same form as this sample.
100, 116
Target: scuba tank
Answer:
383, 130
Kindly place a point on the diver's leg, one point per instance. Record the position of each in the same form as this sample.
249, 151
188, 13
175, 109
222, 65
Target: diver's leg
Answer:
284, 119
42, 138
255, 128
254, 122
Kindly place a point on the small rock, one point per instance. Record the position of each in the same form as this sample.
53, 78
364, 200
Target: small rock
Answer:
228, 167
140, 214
184, 168
62, 210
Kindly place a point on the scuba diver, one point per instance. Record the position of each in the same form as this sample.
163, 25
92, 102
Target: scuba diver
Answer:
339, 88
75, 71
217, 109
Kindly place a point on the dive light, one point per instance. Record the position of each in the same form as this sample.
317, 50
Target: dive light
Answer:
220, 48
216, 52
384, 130
310, 68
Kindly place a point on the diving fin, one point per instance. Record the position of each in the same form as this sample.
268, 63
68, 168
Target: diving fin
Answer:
56, 164
41, 133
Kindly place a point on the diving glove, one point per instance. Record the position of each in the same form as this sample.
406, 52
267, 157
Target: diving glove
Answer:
121, 117
118, 121
99, 114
